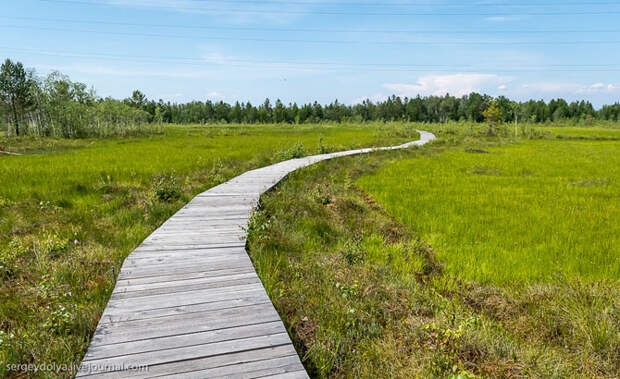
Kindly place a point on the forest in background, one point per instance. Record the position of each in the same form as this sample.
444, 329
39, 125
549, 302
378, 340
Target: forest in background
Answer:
56, 106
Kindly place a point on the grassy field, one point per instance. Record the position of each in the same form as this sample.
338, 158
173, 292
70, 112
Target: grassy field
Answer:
594, 132
71, 211
536, 211
502, 262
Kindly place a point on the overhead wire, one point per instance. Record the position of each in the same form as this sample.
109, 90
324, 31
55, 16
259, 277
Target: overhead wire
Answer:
248, 63
314, 30
332, 41
340, 13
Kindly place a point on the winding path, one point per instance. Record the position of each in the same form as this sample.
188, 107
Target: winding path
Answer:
188, 302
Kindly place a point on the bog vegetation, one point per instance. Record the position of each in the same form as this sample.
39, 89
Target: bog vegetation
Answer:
478, 256
72, 209
56, 106
492, 252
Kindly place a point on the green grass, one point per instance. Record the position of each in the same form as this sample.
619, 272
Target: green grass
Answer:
594, 132
368, 289
71, 211
535, 211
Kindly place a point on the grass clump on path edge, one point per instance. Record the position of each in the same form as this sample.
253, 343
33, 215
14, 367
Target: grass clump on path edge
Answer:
363, 296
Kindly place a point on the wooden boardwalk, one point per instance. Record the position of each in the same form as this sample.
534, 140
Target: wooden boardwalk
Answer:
188, 302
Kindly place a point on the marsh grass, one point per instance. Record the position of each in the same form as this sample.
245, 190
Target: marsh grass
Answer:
535, 211
71, 211
366, 294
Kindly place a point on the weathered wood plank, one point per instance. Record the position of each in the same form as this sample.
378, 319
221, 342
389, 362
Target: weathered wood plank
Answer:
130, 288
256, 369
244, 299
183, 276
184, 288
200, 364
186, 298
138, 330
183, 340
158, 357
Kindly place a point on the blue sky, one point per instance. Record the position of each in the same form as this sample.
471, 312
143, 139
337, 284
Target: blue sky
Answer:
306, 50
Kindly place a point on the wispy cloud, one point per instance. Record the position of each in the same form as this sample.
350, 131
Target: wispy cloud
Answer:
454, 84
599, 88
374, 98
502, 18
210, 56
245, 13
113, 71
570, 88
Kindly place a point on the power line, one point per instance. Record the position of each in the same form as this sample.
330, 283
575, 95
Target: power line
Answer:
314, 30
401, 4
340, 13
397, 67
345, 42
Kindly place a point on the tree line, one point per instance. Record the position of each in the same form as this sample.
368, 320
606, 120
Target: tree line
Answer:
56, 106
418, 109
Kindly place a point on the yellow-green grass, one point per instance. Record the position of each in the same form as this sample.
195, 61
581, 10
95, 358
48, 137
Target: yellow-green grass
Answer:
537, 211
71, 211
366, 297
594, 132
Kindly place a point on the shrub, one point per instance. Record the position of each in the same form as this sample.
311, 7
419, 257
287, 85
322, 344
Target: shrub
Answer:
165, 187
297, 151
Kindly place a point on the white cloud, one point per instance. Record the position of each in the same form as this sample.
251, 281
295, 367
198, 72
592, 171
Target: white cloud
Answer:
502, 18
217, 58
112, 71
379, 97
598, 88
564, 88
171, 97
502, 87
551, 87
454, 84
214, 95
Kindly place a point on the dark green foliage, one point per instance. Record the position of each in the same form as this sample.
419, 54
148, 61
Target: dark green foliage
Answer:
16, 93
57, 107
420, 109
165, 187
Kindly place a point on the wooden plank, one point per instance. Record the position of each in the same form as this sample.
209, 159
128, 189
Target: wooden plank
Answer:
187, 298
188, 303
125, 294
256, 369
189, 352
183, 276
129, 288
198, 364
185, 323
165, 246
245, 299
175, 255
141, 272
186, 259
183, 340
